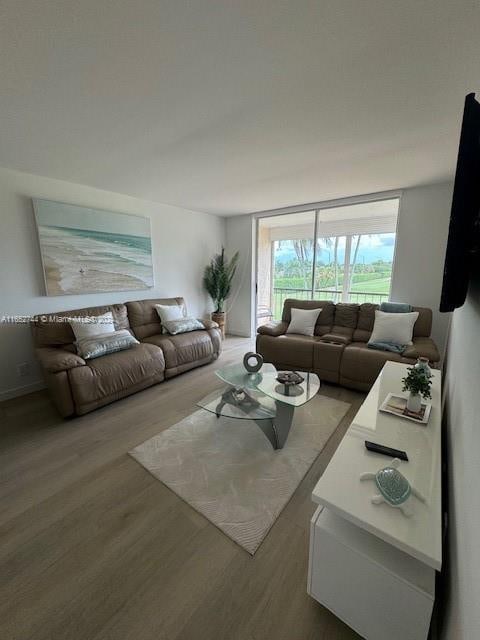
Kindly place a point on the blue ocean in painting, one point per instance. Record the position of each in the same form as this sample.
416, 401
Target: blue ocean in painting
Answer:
85, 260
138, 242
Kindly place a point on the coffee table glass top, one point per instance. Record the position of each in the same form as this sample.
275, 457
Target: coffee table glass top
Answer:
261, 398
266, 382
250, 405
297, 394
237, 376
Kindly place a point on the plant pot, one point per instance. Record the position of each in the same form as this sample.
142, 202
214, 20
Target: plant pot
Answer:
414, 402
219, 317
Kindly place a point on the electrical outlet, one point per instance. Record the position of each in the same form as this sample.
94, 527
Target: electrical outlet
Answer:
23, 369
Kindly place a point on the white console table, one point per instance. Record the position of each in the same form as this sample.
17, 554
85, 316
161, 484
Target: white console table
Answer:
369, 564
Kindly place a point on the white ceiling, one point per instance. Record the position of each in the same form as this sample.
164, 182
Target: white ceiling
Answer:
235, 106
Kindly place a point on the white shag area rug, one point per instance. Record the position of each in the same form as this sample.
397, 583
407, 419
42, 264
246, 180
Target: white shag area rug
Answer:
227, 470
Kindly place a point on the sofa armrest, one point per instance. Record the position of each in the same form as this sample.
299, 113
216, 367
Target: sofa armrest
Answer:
208, 324
273, 329
422, 347
54, 360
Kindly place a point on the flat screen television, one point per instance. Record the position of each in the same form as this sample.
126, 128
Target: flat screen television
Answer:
463, 248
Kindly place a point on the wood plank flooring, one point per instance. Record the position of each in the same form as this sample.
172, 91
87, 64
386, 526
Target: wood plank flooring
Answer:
92, 547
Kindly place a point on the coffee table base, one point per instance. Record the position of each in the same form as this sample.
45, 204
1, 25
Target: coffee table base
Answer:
277, 430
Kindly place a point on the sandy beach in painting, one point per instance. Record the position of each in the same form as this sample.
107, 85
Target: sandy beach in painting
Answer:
80, 261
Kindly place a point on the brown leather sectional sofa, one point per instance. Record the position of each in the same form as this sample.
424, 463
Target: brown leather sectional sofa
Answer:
78, 386
338, 351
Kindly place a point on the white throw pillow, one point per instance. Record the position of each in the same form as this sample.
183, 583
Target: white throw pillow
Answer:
169, 312
393, 327
303, 321
92, 325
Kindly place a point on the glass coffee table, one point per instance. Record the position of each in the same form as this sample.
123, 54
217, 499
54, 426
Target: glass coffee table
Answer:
261, 398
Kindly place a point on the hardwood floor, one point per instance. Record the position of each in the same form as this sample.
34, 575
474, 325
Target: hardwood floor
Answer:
93, 547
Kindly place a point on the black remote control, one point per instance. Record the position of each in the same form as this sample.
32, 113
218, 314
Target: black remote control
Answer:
386, 451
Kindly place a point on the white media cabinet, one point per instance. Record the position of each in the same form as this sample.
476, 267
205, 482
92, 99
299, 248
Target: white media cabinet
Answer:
369, 564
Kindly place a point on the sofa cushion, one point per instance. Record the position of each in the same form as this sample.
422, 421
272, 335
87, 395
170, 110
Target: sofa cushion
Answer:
346, 315
184, 348
290, 350
365, 322
364, 364
113, 374
423, 325
50, 331
326, 359
345, 319
335, 338
144, 318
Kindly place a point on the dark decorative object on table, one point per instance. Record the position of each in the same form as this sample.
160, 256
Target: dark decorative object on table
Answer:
252, 368
289, 379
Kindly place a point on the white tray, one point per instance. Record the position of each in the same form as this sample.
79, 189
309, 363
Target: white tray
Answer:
393, 400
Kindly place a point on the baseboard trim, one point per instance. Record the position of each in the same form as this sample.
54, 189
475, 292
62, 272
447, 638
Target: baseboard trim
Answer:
238, 334
21, 391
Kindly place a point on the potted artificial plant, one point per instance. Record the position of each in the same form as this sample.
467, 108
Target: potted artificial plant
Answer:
418, 382
217, 280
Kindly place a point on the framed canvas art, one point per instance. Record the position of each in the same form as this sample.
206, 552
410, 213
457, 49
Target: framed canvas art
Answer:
91, 251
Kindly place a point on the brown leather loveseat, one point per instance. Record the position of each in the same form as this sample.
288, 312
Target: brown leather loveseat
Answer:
78, 386
338, 351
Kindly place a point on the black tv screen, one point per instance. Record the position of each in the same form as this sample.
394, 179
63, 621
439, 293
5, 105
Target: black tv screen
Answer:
463, 235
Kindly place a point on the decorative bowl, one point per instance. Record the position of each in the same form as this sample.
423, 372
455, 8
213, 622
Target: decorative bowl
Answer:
290, 378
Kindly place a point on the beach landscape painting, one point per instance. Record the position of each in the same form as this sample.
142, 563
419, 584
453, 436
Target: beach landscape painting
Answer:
91, 250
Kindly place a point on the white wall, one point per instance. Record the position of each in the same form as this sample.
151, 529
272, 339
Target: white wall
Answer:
182, 243
422, 233
418, 271
462, 418
240, 306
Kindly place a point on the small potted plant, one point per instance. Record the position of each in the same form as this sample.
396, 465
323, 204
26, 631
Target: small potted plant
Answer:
418, 382
217, 280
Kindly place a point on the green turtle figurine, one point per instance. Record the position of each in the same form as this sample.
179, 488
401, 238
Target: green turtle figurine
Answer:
394, 488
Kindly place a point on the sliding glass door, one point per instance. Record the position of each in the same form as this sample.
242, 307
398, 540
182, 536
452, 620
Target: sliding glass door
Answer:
285, 253
343, 254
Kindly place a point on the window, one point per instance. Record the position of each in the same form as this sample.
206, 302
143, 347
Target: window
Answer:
344, 254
